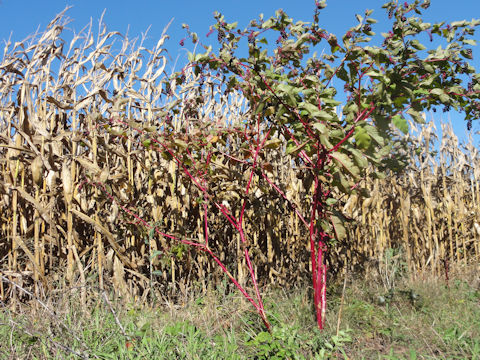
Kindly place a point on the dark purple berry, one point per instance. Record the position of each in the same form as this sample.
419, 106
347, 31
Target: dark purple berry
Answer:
470, 86
221, 35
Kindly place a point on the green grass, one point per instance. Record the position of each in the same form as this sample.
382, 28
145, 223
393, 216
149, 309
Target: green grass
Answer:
419, 320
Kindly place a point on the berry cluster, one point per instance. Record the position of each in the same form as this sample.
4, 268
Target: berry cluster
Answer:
476, 112
470, 86
425, 4
283, 36
221, 35
469, 124
251, 38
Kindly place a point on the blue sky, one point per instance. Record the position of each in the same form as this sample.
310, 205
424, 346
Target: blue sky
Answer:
19, 18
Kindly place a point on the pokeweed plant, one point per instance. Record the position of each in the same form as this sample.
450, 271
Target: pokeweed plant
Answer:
294, 96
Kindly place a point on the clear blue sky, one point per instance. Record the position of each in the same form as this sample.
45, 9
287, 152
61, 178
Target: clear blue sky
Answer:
22, 17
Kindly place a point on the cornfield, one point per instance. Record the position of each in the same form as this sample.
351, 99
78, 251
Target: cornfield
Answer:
58, 135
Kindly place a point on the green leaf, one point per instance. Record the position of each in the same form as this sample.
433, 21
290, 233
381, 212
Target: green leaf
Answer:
420, 92
150, 129
313, 111
320, 127
269, 23
466, 54
358, 157
290, 147
340, 231
470, 42
180, 143
155, 254
374, 74
259, 108
362, 139
444, 98
400, 123
331, 201
341, 182
437, 92
273, 143
344, 161
416, 44
263, 336
322, 4
460, 23
147, 143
